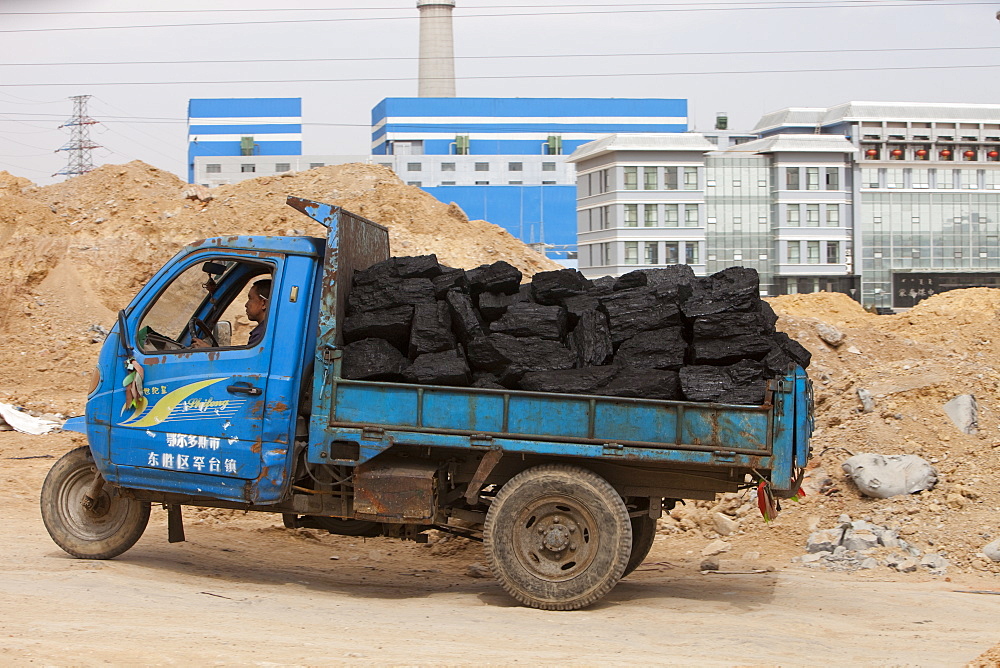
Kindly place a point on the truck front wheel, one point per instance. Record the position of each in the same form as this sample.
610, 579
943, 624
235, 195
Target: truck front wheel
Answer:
557, 537
103, 529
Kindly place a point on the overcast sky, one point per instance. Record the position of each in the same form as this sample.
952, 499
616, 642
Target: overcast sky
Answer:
346, 55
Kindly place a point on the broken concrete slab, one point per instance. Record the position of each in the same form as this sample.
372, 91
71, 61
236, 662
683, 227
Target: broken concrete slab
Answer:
829, 334
964, 413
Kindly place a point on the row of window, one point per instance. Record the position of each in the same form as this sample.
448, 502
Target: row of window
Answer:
812, 252
251, 168
478, 166
808, 215
812, 178
601, 255
660, 178
915, 253
923, 179
652, 215
478, 183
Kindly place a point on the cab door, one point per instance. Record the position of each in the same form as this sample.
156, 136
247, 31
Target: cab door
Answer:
206, 415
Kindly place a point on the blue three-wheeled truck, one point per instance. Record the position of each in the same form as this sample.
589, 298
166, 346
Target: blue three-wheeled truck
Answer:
563, 490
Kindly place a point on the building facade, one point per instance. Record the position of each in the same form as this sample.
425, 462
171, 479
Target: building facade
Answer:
886, 202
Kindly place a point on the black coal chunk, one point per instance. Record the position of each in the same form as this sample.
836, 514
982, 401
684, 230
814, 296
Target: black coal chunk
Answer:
511, 357
431, 329
551, 287
604, 285
740, 383
729, 350
578, 305
770, 317
390, 293
637, 310
464, 318
391, 324
497, 277
486, 381
377, 273
793, 349
373, 359
719, 325
528, 319
643, 384
570, 381
492, 305
591, 339
444, 368
449, 279
418, 266
732, 289
776, 363
662, 348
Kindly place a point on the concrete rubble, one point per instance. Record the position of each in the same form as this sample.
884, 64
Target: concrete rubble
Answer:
883, 476
860, 545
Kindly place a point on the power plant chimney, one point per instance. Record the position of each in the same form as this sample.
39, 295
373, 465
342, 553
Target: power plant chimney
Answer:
436, 71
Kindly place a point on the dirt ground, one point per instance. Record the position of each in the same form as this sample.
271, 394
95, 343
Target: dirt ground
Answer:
243, 590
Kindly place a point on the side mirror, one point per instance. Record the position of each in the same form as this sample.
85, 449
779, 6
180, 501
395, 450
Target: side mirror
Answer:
223, 333
123, 334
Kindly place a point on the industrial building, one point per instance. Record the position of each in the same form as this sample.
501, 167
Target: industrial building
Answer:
887, 202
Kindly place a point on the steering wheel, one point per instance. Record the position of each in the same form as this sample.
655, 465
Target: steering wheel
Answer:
198, 328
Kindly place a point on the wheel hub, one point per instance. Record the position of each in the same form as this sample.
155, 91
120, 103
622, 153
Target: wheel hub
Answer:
556, 538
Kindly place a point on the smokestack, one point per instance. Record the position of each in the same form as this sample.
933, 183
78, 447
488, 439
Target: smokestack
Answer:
436, 71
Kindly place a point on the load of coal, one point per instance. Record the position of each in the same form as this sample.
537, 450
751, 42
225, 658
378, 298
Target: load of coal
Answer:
650, 334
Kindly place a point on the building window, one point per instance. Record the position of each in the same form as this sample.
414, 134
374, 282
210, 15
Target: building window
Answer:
631, 178
482, 183
649, 215
548, 183
631, 252
738, 256
649, 178
315, 165
670, 252
894, 178
246, 169
869, 177
793, 252
812, 178
691, 218
670, 178
447, 183
213, 168
791, 178
920, 178
414, 183
515, 166
945, 179
548, 166
651, 252
833, 252
691, 252
447, 166
690, 178
832, 215
812, 215
832, 178
670, 215
607, 253
414, 166
482, 166
812, 252
631, 215
515, 183
282, 167
793, 215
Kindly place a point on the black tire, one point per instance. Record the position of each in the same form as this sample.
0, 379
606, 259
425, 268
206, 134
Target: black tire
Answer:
108, 529
643, 534
557, 537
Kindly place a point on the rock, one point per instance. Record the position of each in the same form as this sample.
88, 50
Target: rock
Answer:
715, 547
906, 565
860, 540
829, 334
867, 402
992, 551
477, 570
868, 563
954, 500
883, 476
814, 557
934, 562
823, 541
709, 564
724, 525
963, 412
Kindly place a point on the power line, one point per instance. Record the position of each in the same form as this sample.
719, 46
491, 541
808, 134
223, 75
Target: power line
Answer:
508, 76
512, 56
836, 4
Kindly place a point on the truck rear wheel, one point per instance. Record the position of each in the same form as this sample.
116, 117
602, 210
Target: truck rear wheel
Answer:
557, 537
643, 534
108, 528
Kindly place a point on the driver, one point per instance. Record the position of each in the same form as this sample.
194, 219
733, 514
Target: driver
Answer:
256, 308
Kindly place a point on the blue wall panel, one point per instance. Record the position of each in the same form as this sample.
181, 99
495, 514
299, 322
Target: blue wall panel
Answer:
527, 107
245, 107
530, 213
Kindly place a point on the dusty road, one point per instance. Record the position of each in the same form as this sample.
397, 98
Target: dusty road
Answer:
244, 591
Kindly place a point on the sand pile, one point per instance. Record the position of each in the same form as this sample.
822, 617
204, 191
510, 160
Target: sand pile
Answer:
74, 253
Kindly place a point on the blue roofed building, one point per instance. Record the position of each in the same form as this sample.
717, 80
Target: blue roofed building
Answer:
243, 127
